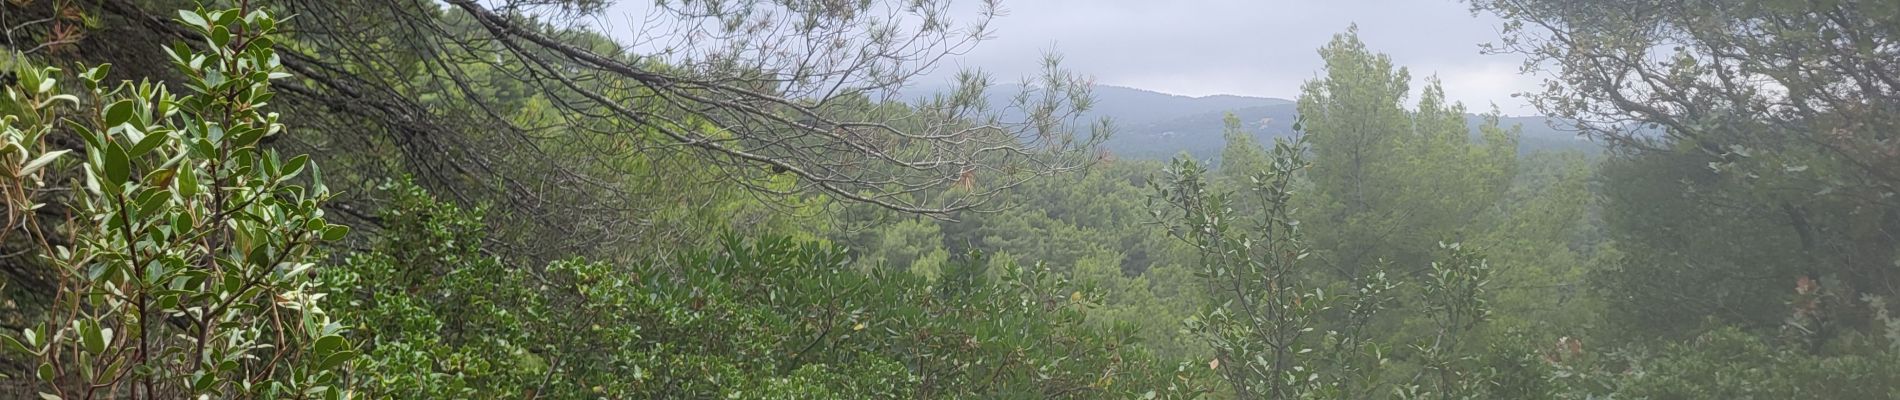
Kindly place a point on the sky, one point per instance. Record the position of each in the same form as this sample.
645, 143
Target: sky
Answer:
1262, 48
1250, 47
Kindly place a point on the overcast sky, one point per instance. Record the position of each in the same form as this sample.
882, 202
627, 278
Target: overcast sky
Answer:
1250, 47
1246, 47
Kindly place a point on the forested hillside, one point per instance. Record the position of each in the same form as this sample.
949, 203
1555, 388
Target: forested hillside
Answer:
419, 199
1158, 126
1199, 134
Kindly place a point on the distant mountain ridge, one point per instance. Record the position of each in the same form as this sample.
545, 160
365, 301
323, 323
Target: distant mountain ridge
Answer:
1131, 106
1200, 134
1152, 124
1126, 105
1155, 125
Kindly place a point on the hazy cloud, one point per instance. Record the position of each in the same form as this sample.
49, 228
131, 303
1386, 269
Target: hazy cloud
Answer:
1247, 47
1258, 48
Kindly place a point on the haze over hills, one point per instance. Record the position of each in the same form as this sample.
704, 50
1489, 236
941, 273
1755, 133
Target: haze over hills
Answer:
1199, 134
1158, 126
1138, 107
1153, 125
1131, 107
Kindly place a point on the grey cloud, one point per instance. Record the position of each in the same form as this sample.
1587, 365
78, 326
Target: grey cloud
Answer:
1260, 48
1247, 47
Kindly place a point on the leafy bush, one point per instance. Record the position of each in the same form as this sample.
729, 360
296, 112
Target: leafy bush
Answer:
761, 318
185, 269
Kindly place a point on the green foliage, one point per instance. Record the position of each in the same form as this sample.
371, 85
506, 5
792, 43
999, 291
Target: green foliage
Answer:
915, 244
186, 268
1242, 156
1729, 364
1682, 261
1389, 182
1264, 332
611, 234
1545, 241
1277, 332
1753, 149
1454, 298
1725, 363
760, 318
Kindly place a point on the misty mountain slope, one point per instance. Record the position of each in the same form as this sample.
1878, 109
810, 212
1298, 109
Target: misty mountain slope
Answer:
1155, 125
1135, 107
1199, 134
1127, 106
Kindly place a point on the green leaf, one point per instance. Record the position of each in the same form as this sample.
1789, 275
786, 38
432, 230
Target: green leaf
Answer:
15, 345
295, 165
335, 359
158, 179
203, 148
254, 16
113, 368
232, 282
260, 44
248, 137
119, 112
118, 165
316, 182
29, 77
66, 97
219, 36
193, 19
98, 72
92, 182
148, 143
225, 17
105, 335
92, 337
259, 256
92, 137
154, 203
166, 302
41, 162
187, 182
330, 344
214, 79
202, 381
173, 52
47, 375
335, 232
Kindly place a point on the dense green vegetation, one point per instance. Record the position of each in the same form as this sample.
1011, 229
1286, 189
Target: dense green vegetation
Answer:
449, 199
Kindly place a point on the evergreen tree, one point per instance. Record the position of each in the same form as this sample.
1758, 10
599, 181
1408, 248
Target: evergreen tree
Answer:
1390, 182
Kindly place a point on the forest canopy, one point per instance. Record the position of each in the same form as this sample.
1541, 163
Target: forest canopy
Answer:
752, 199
